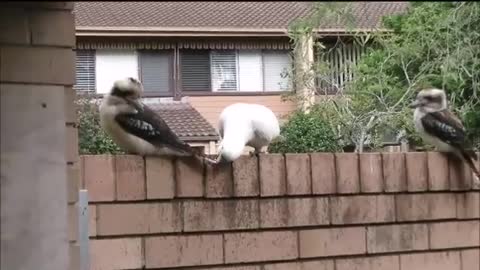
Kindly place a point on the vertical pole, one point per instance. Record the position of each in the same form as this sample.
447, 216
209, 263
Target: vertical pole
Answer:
83, 229
177, 95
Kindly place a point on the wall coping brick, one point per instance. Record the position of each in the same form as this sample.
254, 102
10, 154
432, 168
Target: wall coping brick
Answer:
254, 214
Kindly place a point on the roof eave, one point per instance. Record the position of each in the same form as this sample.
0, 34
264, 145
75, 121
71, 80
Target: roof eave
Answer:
177, 32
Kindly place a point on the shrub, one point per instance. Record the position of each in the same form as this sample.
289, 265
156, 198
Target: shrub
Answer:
306, 133
91, 137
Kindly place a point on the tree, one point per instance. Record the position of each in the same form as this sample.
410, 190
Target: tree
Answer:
432, 44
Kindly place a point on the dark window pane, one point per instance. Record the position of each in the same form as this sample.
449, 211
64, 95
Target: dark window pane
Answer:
195, 70
156, 71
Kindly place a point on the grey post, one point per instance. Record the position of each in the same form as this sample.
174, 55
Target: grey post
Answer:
83, 233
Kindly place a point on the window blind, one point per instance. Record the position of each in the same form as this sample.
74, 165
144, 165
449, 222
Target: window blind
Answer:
85, 70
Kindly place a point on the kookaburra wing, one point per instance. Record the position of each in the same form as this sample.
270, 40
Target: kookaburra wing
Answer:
440, 127
242, 124
149, 126
135, 127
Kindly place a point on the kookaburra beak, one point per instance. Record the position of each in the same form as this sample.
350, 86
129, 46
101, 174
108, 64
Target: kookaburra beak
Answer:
415, 104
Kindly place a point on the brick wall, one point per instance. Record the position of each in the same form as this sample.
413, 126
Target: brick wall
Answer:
344, 211
39, 136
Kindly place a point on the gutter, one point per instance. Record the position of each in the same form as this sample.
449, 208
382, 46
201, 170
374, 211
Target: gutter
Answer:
204, 32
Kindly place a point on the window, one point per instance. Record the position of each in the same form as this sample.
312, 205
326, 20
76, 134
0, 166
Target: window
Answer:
224, 70
341, 59
85, 70
155, 71
112, 65
276, 65
234, 70
250, 70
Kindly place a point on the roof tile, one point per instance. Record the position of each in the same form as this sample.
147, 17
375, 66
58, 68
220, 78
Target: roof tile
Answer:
199, 14
185, 121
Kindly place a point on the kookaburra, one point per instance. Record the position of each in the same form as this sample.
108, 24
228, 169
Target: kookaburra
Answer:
242, 124
135, 127
440, 127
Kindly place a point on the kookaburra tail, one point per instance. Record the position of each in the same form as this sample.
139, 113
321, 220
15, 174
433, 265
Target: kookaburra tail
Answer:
440, 127
135, 127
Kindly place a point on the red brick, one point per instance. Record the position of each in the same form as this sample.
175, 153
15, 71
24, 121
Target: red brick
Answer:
160, 174
130, 177
55, 28
245, 176
293, 212
249, 267
362, 209
431, 261
460, 174
72, 212
298, 174
308, 265
273, 175
71, 144
74, 256
138, 218
323, 173
178, 251
454, 234
15, 30
99, 177
412, 207
417, 173
468, 205
371, 263
437, 171
27, 65
220, 215
112, 254
394, 172
189, 177
347, 173
73, 178
260, 246
92, 220
332, 242
393, 238
470, 259
371, 174
219, 181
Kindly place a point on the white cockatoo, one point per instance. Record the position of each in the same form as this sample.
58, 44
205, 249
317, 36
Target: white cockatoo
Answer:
135, 127
243, 124
440, 127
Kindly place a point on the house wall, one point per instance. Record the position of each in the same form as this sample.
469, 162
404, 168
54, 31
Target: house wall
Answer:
39, 146
324, 211
211, 106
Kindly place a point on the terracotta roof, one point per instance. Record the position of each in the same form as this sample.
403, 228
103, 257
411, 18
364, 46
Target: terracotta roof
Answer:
235, 16
185, 121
